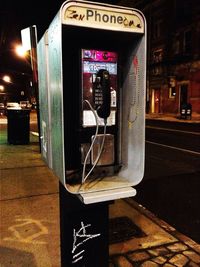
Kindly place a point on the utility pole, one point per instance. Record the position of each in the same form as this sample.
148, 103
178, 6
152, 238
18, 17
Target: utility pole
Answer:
29, 41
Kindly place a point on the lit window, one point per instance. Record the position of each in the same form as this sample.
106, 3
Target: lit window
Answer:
172, 92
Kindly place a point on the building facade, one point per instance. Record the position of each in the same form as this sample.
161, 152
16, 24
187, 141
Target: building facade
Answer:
173, 30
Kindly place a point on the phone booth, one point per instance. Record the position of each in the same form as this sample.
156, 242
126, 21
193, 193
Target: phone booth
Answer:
92, 84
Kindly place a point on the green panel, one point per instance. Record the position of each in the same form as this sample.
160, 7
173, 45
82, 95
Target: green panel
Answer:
56, 97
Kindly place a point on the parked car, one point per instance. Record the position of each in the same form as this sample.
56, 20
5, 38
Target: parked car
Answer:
34, 105
25, 104
13, 105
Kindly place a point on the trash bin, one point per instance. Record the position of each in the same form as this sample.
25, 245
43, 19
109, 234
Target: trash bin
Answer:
189, 111
183, 111
18, 126
186, 111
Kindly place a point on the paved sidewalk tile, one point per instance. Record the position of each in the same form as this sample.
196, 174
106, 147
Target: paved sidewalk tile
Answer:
30, 232
162, 245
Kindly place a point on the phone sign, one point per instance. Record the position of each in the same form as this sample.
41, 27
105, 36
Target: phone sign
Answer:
87, 15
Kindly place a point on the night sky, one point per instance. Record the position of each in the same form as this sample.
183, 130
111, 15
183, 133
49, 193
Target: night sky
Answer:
15, 16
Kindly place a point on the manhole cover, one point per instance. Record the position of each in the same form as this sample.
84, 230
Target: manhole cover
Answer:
122, 229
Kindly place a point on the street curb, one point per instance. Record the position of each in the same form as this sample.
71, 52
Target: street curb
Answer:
164, 225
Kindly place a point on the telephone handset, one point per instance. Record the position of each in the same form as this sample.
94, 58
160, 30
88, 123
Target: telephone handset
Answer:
102, 93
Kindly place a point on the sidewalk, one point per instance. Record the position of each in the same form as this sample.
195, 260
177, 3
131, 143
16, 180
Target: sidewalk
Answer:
172, 117
29, 220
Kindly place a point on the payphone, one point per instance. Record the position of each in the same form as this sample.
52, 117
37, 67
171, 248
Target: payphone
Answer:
95, 86
99, 110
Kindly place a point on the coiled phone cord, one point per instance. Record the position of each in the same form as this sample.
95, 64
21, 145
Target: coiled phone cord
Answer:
84, 177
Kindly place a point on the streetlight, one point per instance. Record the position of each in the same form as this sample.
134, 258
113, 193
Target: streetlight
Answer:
6, 79
2, 88
20, 51
15, 74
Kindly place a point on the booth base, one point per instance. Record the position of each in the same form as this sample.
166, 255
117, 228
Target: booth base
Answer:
107, 195
84, 232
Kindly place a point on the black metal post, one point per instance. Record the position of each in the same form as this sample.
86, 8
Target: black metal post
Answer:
83, 232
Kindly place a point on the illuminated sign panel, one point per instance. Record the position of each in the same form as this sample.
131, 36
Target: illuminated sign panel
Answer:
100, 17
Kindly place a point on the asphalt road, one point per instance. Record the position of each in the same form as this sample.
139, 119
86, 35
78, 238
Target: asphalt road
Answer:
177, 135
170, 187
